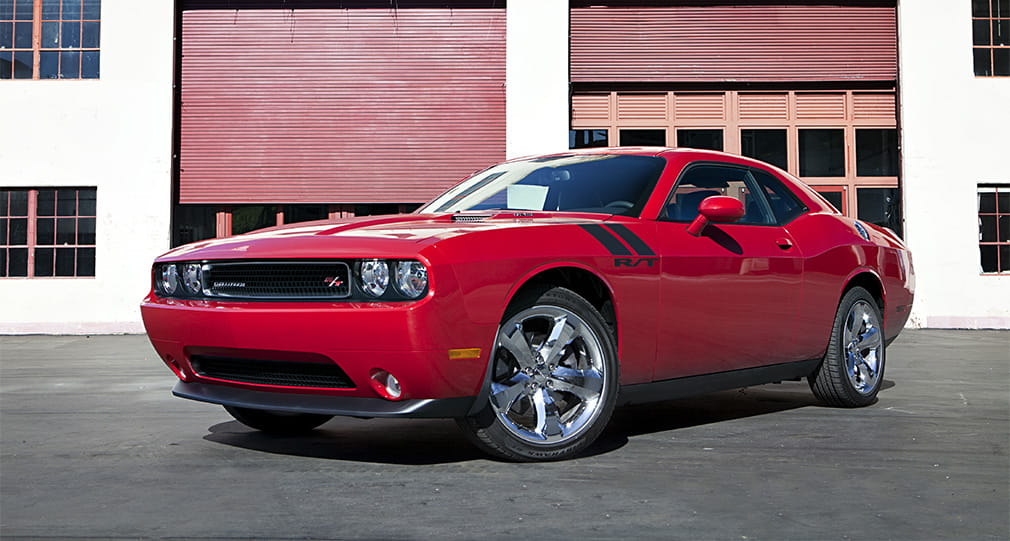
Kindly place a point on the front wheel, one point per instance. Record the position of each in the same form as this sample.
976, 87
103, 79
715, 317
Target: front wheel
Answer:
853, 367
553, 382
277, 422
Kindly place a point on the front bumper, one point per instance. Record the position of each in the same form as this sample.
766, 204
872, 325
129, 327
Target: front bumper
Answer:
326, 405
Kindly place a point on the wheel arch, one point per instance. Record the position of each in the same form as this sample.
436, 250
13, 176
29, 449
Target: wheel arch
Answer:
582, 280
869, 281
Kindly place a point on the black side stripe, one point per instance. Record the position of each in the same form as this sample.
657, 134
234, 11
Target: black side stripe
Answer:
606, 238
633, 240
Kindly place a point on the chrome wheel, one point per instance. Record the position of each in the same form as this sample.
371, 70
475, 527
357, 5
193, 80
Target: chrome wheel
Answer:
863, 347
550, 375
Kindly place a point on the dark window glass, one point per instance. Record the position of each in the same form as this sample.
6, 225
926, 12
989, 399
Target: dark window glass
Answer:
193, 223
65, 264
987, 228
822, 153
44, 261
19, 231
66, 231
877, 152
6, 65
765, 145
700, 139
1001, 62
86, 231
1001, 32
880, 206
1001, 8
4, 196
86, 202
3, 231
89, 35
92, 10
50, 35
990, 257
983, 61
23, 65
90, 65
70, 35
703, 181
19, 202
49, 65
23, 10
251, 218
980, 32
70, 65
45, 231
1003, 201
987, 202
22, 35
50, 10
18, 262
85, 262
979, 8
305, 213
66, 202
6, 9
783, 203
46, 203
6, 35
3, 262
71, 9
643, 138
587, 138
834, 197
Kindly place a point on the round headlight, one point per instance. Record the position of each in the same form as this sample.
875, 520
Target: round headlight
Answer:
411, 278
168, 279
192, 278
374, 276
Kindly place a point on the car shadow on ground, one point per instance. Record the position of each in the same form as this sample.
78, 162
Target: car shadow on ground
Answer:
439, 441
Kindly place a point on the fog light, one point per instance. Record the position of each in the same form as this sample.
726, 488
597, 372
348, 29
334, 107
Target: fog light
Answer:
386, 385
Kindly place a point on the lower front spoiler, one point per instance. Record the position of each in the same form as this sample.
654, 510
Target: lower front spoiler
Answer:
436, 408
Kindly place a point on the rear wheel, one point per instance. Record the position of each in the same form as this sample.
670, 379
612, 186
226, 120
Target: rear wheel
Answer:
553, 383
853, 367
277, 422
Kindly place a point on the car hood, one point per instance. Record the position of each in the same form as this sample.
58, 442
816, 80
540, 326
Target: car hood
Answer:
394, 236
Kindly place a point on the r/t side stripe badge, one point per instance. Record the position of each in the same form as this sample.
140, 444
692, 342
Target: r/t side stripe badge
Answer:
612, 242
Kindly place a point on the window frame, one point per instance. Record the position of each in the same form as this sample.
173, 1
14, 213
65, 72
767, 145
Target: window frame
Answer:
1002, 268
37, 49
32, 245
990, 46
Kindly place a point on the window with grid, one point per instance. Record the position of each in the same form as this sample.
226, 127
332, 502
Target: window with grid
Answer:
991, 37
49, 39
994, 227
47, 232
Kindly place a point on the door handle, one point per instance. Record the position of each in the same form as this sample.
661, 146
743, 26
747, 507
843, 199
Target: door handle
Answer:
784, 243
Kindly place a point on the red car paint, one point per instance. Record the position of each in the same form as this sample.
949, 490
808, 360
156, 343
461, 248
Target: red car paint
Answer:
738, 296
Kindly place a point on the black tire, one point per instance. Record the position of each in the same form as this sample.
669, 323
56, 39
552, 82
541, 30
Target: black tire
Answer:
277, 422
554, 400
853, 367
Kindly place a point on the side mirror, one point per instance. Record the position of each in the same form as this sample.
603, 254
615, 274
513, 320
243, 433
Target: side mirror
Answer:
717, 209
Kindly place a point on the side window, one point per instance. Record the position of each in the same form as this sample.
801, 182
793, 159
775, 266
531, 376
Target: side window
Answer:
703, 181
783, 203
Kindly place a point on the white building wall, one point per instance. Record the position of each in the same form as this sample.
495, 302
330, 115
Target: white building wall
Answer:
954, 136
536, 77
114, 133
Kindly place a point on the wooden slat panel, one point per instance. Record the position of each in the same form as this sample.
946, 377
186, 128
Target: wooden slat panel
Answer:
764, 106
641, 107
594, 108
734, 43
873, 106
338, 105
699, 107
820, 106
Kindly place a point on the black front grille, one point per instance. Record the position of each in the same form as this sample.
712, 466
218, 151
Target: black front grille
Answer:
296, 280
281, 373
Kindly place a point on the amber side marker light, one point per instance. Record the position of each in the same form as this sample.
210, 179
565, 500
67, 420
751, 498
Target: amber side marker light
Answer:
466, 353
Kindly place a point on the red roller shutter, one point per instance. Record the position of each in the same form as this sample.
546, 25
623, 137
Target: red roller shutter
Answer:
338, 105
743, 43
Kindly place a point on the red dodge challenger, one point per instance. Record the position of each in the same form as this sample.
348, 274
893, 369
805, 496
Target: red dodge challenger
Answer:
535, 296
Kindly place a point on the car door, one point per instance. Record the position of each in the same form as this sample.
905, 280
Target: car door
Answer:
730, 296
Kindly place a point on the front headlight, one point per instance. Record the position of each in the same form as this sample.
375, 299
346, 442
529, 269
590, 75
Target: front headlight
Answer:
411, 278
168, 279
192, 278
374, 276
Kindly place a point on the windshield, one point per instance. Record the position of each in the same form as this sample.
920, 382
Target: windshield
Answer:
600, 183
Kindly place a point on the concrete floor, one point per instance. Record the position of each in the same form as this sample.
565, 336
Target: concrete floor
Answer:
92, 445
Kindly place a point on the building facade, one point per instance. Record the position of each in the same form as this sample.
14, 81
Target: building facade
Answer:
242, 114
